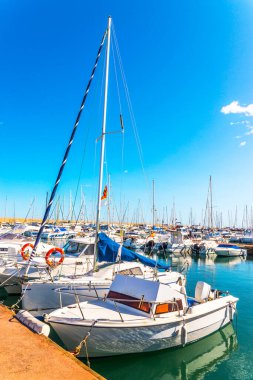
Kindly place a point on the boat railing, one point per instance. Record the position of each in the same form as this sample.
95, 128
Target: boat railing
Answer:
115, 301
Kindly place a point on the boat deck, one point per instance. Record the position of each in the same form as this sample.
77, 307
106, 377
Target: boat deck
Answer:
24, 355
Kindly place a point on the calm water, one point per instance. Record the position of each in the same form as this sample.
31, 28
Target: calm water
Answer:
223, 355
227, 354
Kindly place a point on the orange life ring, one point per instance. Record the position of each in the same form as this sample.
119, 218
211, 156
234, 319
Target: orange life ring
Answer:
25, 252
51, 263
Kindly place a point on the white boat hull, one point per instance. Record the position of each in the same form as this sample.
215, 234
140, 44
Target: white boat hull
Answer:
123, 338
41, 298
230, 252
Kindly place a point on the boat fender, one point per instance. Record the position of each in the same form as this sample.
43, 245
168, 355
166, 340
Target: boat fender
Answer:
184, 335
231, 312
33, 323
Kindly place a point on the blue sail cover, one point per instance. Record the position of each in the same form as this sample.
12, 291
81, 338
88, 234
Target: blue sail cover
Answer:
108, 251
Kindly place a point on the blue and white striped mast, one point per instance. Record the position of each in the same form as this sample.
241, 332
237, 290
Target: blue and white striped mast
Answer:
101, 169
49, 204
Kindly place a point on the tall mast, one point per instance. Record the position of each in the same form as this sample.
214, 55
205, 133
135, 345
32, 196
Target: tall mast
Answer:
100, 181
64, 160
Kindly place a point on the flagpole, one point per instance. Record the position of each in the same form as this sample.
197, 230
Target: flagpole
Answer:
101, 170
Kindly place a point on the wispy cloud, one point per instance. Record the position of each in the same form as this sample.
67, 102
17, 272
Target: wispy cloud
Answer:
235, 108
243, 143
250, 132
240, 122
238, 137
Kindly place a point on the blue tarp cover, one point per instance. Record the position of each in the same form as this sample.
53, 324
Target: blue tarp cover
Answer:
108, 251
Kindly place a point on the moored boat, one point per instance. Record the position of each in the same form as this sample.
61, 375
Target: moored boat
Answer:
227, 250
141, 316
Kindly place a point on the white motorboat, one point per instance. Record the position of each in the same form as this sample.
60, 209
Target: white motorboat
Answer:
229, 250
58, 233
12, 241
78, 260
140, 316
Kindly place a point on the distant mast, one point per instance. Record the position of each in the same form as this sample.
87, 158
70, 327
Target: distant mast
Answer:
153, 208
211, 202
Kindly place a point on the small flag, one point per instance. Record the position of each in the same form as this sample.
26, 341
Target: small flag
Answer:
104, 196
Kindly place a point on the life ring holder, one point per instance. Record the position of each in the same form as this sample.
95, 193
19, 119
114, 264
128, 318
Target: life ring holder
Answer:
51, 263
24, 251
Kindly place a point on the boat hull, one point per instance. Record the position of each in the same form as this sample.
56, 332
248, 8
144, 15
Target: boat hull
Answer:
230, 252
121, 339
41, 298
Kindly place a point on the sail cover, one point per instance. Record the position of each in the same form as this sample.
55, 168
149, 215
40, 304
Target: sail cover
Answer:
109, 250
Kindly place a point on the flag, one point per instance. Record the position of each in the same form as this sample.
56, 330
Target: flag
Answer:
104, 196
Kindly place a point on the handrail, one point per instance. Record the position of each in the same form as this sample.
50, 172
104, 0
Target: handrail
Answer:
114, 301
61, 290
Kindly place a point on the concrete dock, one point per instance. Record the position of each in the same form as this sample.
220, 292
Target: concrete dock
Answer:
26, 355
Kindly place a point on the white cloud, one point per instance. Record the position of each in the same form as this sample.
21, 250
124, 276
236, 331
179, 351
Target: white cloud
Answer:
243, 143
235, 107
250, 132
240, 122
238, 137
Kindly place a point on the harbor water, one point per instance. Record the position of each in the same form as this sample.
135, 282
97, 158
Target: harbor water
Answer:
226, 354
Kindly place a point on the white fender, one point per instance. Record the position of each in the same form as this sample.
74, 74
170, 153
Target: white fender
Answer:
33, 323
184, 335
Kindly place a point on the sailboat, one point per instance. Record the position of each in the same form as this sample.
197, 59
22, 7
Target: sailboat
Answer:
40, 294
139, 315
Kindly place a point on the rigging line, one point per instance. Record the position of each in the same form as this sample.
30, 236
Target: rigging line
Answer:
138, 143
116, 76
52, 211
126, 89
65, 156
79, 177
78, 216
120, 107
28, 212
85, 146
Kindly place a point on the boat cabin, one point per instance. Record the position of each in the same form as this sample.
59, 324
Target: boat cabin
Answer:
150, 297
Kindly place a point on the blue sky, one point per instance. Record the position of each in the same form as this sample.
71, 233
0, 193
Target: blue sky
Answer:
184, 61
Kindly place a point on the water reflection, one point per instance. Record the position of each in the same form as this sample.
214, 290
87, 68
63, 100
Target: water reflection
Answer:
229, 261
191, 362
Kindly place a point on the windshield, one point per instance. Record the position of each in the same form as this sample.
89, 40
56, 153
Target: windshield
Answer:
74, 248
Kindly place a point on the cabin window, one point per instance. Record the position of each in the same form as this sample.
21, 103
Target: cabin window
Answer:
72, 248
131, 272
130, 301
169, 307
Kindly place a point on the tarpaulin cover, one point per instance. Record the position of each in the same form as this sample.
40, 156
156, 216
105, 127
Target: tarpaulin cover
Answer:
108, 251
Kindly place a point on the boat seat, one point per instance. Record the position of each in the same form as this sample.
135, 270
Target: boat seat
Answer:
202, 291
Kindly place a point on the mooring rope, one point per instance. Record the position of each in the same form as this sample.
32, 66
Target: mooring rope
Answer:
84, 342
